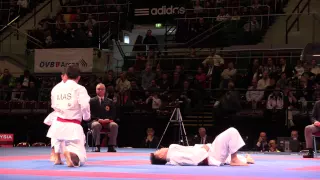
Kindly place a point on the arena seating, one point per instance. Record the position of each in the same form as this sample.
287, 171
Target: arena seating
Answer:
10, 9
82, 25
222, 25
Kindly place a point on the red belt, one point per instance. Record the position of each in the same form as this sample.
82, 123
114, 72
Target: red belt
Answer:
69, 120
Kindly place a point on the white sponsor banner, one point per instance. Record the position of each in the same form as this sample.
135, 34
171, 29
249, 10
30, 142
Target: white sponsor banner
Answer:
56, 60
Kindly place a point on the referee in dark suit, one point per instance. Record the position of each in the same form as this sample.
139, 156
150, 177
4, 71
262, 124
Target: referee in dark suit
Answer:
103, 115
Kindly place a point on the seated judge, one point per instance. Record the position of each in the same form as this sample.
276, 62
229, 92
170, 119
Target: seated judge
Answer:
103, 114
202, 138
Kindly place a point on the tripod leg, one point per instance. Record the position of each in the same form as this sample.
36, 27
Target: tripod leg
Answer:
182, 130
174, 111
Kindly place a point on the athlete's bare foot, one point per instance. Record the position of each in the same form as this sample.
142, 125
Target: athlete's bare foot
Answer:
57, 159
52, 158
68, 159
237, 162
250, 160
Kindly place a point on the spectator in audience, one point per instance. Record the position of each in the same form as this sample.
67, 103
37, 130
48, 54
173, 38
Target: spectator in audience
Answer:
223, 16
270, 67
299, 69
285, 68
254, 71
90, 22
256, 7
227, 74
109, 81
154, 87
294, 135
230, 105
214, 62
316, 93
295, 147
203, 138
200, 79
315, 68
132, 75
136, 93
164, 83
176, 81
112, 95
201, 26
146, 77
7, 80
275, 100
158, 72
252, 26
32, 92
151, 41
273, 146
269, 88
186, 96
25, 79
154, 100
122, 84
197, 8
17, 93
282, 82
305, 93
151, 141
180, 71
254, 95
264, 81
262, 144
289, 99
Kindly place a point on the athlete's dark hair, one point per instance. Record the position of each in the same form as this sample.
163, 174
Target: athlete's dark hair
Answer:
157, 161
75, 159
73, 71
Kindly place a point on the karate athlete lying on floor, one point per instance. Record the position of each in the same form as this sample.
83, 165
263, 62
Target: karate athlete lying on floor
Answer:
223, 150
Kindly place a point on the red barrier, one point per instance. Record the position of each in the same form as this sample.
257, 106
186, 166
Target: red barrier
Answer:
6, 140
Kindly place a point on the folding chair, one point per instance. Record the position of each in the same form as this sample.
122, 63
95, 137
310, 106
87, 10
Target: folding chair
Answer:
314, 136
103, 131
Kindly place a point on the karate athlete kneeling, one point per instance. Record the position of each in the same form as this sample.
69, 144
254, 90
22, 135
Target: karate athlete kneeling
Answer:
52, 117
223, 150
70, 102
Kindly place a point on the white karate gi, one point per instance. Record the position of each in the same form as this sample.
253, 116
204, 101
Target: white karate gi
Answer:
225, 144
48, 121
70, 101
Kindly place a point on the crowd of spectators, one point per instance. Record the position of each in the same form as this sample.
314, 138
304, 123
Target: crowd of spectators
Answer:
273, 85
231, 22
10, 9
81, 24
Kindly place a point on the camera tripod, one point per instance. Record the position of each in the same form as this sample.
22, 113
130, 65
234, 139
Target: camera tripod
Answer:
182, 131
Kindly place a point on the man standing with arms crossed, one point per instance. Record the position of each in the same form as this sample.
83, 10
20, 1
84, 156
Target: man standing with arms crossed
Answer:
70, 101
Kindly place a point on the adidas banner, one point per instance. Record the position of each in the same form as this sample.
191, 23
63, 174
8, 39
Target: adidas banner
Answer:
159, 11
56, 60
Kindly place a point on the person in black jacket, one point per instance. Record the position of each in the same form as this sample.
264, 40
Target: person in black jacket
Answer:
151, 141
103, 115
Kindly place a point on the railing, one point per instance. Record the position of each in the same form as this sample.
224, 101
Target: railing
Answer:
296, 21
35, 11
